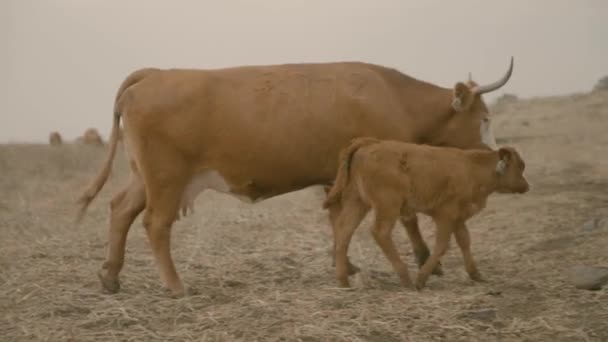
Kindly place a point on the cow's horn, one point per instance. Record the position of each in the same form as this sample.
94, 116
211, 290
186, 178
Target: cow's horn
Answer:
493, 86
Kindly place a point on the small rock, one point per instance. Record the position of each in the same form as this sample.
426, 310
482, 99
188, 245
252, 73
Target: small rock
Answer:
591, 225
595, 225
588, 277
486, 315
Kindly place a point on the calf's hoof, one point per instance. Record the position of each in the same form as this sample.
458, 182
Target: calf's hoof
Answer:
438, 270
421, 281
343, 282
111, 285
352, 269
476, 276
407, 283
422, 256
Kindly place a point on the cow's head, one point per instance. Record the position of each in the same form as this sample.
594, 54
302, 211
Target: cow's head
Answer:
510, 170
468, 123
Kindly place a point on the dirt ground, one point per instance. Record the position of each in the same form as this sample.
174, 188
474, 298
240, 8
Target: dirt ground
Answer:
263, 272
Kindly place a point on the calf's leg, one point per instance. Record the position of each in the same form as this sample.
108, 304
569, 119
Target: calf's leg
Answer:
442, 239
351, 268
333, 213
349, 218
125, 207
385, 222
421, 250
463, 239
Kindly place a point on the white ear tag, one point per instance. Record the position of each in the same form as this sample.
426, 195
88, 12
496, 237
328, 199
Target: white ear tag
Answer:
457, 104
501, 167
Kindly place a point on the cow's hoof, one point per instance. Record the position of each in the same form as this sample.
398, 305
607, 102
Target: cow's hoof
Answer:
353, 269
180, 292
111, 285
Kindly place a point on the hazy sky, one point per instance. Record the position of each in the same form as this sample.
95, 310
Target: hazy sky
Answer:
61, 61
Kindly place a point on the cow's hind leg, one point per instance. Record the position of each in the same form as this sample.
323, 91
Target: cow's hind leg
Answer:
421, 250
164, 190
333, 213
161, 212
125, 207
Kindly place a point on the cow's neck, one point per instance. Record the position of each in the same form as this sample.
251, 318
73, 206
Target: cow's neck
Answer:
432, 115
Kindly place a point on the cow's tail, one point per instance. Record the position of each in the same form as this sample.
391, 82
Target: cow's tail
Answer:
93, 189
345, 159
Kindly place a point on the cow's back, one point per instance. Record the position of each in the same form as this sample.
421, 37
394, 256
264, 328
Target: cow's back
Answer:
279, 126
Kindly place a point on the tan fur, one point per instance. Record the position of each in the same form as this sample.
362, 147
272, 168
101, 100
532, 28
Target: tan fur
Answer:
341, 181
265, 130
55, 139
399, 179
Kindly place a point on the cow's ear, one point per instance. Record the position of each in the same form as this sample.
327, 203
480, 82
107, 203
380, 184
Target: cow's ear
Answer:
462, 98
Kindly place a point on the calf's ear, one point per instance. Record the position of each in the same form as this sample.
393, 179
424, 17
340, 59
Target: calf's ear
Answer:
462, 97
505, 156
501, 167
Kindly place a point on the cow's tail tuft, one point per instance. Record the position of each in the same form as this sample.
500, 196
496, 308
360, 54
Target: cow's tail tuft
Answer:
345, 159
93, 189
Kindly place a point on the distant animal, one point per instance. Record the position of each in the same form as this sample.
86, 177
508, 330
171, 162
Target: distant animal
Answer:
398, 179
90, 137
256, 132
55, 139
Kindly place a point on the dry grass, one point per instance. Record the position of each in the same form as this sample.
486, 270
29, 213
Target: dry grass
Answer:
263, 273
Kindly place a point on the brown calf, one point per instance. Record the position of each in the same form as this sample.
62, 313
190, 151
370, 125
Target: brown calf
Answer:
399, 179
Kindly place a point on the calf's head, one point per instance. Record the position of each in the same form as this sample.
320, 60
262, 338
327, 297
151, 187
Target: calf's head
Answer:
510, 170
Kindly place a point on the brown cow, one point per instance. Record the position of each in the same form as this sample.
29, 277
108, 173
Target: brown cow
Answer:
400, 179
55, 139
91, 137
256, 132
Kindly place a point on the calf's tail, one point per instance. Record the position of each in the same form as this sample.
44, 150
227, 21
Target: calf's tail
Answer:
345, 158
